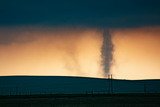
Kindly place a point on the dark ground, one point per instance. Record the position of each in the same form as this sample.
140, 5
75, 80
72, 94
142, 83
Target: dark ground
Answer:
82, 100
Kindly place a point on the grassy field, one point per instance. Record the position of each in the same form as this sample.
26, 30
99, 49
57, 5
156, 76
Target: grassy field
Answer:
82, 100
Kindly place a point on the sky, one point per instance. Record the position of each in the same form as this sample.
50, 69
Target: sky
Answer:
58, 37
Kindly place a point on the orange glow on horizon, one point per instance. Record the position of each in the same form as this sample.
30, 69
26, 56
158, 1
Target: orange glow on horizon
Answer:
77, 52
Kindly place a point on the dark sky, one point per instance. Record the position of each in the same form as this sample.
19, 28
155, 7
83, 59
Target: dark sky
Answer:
108, 13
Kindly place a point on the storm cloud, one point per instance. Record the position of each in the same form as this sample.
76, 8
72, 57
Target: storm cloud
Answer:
22, 21
91, 13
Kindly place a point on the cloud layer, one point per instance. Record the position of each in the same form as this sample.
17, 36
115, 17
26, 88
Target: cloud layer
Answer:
91, 13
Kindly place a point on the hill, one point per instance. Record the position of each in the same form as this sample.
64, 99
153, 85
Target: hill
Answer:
24, 85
